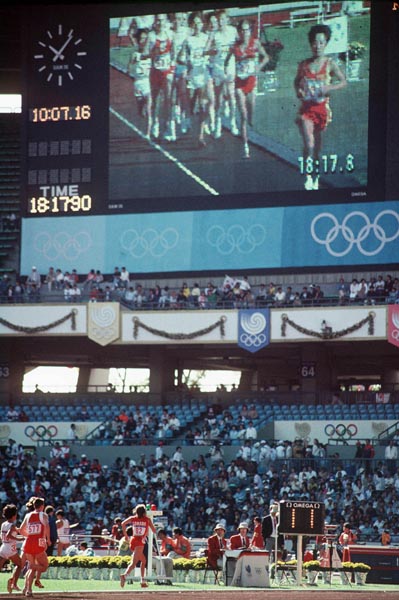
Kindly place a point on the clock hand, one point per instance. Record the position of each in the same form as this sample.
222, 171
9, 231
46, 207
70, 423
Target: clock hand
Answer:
55, 51
61, 50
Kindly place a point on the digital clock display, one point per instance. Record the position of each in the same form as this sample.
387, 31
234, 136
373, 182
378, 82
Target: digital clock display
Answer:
301, 517
60, 113
60, 204
327, 164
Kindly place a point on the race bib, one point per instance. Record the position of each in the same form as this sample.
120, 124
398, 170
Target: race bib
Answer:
313, 90
139, 530
162, 62
34, 528
246, 68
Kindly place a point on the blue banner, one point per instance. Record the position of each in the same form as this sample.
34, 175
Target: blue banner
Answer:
254, 329
259, 238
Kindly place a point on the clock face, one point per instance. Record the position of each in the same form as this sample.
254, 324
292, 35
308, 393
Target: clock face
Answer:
60, 55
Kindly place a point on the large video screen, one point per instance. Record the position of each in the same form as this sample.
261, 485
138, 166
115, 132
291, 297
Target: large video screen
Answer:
239, 101
145, 107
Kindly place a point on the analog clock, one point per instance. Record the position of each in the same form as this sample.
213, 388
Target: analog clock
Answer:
60, 55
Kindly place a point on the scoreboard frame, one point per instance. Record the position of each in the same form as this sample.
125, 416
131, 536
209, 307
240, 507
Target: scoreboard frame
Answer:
302, 518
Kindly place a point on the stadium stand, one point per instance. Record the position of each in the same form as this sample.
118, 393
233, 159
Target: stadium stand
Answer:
101, 466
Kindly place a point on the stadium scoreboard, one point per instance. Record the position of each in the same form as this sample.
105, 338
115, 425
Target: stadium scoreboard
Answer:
302, 518
118, 184
86, 150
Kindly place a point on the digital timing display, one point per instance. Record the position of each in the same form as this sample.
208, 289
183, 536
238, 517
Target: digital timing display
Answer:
160, 107
301, 517
44, 114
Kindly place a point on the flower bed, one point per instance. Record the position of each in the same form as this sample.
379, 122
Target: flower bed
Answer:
110, 567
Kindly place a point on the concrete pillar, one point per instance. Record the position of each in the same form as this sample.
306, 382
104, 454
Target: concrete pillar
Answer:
248, 381
99, 377
162, 369
11, 378
84, 377
317, 357
390, 379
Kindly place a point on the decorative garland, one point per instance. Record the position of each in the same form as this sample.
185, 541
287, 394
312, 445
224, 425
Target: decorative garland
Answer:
329, 334
41, 328
178, 336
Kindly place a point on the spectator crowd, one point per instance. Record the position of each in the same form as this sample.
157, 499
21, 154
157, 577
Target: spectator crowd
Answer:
195, 494
230, 293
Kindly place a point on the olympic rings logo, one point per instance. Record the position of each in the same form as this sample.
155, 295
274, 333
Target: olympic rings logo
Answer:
363, 233
62, 244
41, 432
149, 241
252, 340
236, 238
341, 430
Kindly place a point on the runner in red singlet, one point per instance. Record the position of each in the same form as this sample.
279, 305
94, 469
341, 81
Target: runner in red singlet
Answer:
140, 524
36, 531
313, 83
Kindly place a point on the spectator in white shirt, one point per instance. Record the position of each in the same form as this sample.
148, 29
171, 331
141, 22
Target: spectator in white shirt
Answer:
280, 450
279, 296
125, 277
251, 433
391, 456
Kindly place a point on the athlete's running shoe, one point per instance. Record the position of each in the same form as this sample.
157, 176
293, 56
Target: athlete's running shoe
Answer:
309, 182
9, 586
39, 584
170, 135
144, 584
234, 128
246, 150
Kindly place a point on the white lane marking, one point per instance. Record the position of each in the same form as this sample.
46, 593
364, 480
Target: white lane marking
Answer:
167, 154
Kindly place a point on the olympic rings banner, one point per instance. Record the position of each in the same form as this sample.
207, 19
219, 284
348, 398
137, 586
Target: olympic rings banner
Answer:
258, 238
38, 433
254, 329
393, 324
341, 431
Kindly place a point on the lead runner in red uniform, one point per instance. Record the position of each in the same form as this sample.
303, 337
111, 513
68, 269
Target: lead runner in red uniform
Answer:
36, 531
140, 524
313, 84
